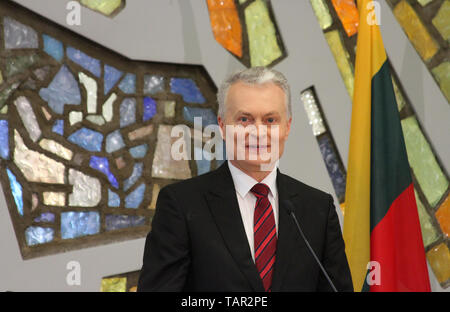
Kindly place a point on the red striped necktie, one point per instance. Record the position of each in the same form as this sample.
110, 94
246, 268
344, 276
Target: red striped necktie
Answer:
265, 234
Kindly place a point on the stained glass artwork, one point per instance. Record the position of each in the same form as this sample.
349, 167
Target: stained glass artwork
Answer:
113, 199
77, 224
4, 137
128, 84
155, 193
18, 35
45, 217
82, 137
139, 151
134, 199
443, 216
117, 222
127, 112
441, 20
423, 162
429, 233
348, 14
207, 116
112, 76
153, 84
248, 31
149, 108
312, 110
88, 139
114, 142
126, 282
62, 90
102, 164
439, 259
322, 13
188, 89
106, 7
53, 47
16, 190
442, 75
87, 62
35, 235
414, 28
226, 25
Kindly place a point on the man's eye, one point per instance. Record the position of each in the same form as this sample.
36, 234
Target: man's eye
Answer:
244, 119
270, 120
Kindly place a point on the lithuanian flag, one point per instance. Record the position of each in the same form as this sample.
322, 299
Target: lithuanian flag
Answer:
381, 223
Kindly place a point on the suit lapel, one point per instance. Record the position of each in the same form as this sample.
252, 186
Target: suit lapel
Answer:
287, 235
224, 207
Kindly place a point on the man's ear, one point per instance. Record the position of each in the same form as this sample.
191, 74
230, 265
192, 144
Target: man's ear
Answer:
288, 126
221, 123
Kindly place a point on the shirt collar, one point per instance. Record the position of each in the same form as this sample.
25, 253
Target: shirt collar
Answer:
243, 182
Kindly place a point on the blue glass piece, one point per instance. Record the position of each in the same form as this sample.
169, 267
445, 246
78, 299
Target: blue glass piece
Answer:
88, 139
207, 115
62, 90
53, 47
113, 199
135, 198
102, 164
89, 63
117, 222
36, 235
4, 137
58, 127
149, 108
45, 217
76, 224
188, 89
203, 165
127, 112
114, 142
139, 151
335, 171
112, 76
153, 84
16, 190
135, 175
128, 84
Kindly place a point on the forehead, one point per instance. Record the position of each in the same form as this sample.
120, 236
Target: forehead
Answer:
245, 92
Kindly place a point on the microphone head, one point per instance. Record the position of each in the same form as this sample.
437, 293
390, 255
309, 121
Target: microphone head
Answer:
288, 206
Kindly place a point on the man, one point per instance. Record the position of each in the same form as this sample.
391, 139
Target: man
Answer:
229, 229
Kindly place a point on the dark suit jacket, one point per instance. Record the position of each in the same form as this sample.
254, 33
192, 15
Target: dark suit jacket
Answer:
198, 241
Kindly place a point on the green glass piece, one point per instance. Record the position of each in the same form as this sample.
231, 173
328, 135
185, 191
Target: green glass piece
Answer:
262, 37
20, 63
5, 93
242, 1
398, 95
423, 163
114, 284
322, 13
424, 2
342, 59
442, 75
429, 233
106, 7
442, 20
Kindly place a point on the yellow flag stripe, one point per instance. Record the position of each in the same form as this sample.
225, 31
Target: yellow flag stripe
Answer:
370, 56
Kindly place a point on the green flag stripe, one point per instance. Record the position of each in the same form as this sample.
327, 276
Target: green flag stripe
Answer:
389, 173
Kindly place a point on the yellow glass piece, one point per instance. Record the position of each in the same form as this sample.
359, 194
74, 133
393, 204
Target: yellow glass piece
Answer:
114, 284
133, 289
442, 20
106, 7
398, 95
54, 199
226, 25
429, 232
262, 37
439, 259
154, 196
322, 13
442, 75
348, 15
415, 30
342, 59
443, 216
424, 2
1, 77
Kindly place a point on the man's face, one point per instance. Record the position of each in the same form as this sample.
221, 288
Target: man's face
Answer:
247, 108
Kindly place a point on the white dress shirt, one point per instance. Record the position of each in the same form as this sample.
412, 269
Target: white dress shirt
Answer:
247, 200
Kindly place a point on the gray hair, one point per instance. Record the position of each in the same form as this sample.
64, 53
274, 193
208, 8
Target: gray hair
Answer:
254, 76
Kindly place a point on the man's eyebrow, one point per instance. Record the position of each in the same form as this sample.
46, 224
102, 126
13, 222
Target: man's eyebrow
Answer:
272, 113
240, 112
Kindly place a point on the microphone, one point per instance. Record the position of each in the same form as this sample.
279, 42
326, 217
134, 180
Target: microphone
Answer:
290, 209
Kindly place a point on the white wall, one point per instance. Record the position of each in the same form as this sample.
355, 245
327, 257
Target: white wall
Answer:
178, 31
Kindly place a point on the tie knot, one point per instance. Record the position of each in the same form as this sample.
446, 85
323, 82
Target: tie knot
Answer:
260, 190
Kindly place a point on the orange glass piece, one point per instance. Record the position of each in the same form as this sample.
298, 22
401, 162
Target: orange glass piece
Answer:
226, 25
348, 14
443, 216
